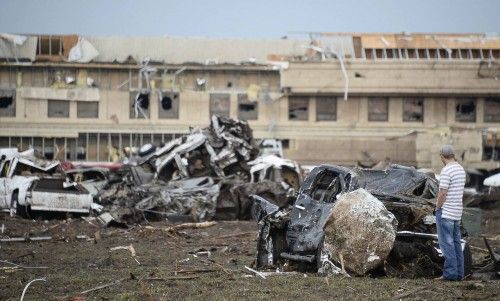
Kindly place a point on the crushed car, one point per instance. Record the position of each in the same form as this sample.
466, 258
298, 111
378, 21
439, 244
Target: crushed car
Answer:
28, 182
377, 222
93, 179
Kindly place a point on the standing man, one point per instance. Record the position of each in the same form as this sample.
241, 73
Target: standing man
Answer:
449, 213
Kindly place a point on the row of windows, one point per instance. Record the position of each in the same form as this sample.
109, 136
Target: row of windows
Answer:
378, 109
298, 108
428, 54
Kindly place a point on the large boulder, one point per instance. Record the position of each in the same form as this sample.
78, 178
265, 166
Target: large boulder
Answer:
361, 230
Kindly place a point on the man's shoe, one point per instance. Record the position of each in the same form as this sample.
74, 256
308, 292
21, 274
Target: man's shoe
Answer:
440, 278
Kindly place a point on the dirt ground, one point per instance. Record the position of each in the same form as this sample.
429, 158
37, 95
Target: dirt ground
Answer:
175, 265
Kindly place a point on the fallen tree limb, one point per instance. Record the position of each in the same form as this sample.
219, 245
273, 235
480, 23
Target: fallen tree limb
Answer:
184, 226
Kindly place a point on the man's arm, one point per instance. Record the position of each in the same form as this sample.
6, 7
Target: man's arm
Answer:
441, 197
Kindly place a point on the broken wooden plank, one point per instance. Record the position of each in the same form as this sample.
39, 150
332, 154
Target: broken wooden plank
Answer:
172, 278
26, 239
184, 226
103, 286
256, 272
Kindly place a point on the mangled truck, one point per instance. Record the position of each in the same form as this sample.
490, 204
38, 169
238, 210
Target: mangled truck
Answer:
28, 182
377, 222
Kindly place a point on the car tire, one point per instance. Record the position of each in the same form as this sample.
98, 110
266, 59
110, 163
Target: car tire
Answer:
467, 260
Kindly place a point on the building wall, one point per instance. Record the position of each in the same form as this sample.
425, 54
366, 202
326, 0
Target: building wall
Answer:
347, 140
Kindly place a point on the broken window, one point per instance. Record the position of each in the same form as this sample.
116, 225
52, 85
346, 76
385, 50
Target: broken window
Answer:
168, 105
50, 45
465, 110
219, 104
492, 109
298, 108
378, 108
247, 110
326, 108
87, 109
413, 109
7, 103
57, 108
139, 105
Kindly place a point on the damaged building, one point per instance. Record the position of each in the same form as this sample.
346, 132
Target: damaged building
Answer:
338, 98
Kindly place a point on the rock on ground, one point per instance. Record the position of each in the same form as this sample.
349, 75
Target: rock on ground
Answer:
361, 230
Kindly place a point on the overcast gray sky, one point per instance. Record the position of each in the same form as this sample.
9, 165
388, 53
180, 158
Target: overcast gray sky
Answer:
244, 18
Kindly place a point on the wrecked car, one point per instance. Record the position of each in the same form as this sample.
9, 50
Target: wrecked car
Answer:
31, 183
367, 221
93, 179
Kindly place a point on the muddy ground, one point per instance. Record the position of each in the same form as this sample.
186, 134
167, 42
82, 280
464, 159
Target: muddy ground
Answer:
166, 267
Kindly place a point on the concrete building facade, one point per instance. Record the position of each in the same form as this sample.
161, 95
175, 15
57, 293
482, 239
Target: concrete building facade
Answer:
337, 98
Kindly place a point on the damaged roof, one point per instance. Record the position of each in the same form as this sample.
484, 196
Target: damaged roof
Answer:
184, 50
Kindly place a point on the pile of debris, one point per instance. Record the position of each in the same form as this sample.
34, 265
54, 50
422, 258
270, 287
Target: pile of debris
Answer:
358, 221
209, 173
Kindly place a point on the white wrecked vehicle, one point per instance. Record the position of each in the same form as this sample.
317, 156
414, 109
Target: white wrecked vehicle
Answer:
30, 183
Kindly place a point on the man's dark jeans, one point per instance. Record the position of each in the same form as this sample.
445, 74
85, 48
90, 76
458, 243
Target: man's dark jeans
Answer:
449, 238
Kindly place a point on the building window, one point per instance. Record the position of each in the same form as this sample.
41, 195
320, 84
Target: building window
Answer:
87, 109
219, 104
378, 109
465, 110
50, 45
492, 109
7, 103
298, 108
168, 106
326, 108
413, 109
247, 110
139, 105
58, 108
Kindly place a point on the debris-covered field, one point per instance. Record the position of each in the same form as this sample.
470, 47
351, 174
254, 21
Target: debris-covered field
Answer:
171, 222
162, 263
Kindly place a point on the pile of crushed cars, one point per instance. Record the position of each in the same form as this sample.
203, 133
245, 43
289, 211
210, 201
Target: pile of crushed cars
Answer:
207, 174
